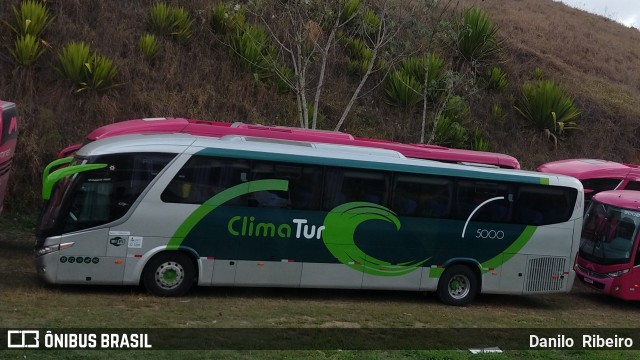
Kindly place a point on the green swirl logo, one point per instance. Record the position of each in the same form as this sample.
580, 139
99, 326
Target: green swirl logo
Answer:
338, 236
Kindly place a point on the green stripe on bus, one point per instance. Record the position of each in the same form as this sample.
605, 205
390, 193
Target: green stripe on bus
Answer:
544, 181
514, 248
219, 199
54, 177
501, 258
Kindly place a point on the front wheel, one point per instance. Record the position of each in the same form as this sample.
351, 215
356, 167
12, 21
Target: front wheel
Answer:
458, 286
169, 274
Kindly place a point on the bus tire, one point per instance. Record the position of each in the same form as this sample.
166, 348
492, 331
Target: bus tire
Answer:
169, 274
458, 286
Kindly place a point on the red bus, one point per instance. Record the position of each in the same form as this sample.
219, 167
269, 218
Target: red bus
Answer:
609, 257
8, 139
219, 129
597, 175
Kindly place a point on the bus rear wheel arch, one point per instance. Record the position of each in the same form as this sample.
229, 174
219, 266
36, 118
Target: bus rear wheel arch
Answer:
169, 273
458, 285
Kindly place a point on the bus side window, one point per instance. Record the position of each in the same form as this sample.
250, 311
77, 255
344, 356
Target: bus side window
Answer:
306, 188
417, 195
350, 185
542, 205
202, 177
473, 196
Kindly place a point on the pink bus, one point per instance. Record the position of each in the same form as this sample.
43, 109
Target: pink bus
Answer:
597, 175
219, 129
609, 257
8, 139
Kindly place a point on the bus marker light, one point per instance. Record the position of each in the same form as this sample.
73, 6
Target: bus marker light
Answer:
210, 258
118, 262
137, 255
260, 264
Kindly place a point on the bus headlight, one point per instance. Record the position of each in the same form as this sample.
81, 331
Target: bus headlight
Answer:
52, 248
618, 273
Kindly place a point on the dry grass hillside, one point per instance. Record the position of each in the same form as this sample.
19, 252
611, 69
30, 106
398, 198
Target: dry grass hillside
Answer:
594, 59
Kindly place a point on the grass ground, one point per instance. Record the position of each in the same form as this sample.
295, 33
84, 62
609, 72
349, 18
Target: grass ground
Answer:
26, 302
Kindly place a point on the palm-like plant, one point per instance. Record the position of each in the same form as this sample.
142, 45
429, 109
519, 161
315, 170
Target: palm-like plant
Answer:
450, 133
497, 79
225, 20
403, 89
251, 45
27, 49
32, 19
73, 58
181, 24
406, 86
160, 18
149, 46
86, 70
547, 107
477, 38
100, 73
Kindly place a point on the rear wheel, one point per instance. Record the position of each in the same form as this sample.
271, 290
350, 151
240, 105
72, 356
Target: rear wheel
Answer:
169, 274
458, 286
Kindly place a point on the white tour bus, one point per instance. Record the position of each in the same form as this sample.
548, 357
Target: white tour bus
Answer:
171, 211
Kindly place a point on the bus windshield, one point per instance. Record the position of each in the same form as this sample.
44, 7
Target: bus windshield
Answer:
609, 234
97, 197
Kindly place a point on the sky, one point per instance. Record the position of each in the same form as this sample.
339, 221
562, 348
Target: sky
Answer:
626, 12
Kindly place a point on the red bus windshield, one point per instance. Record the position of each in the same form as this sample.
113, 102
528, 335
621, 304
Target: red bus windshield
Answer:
609, 234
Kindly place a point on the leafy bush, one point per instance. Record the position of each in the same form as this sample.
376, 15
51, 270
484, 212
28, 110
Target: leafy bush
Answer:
224, 20
27, 49
149, 46
478, 142
413, 70
477, 38
497, 113
350, 9
497, 79
547, 107
457, 110
370, 23
283, 79
32, 19
403, 89
181, 24
357, 49
100, 72
88, 71
359, 67
450, 133
160, 18
73, 58
169, 20
252, 46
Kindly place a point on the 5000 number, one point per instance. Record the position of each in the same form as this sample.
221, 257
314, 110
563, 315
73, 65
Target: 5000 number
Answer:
489, 234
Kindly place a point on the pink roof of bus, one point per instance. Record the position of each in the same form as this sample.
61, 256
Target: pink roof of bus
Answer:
627, 199
219, 129
589, 168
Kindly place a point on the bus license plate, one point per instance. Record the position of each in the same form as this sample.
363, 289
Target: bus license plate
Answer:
588, 281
